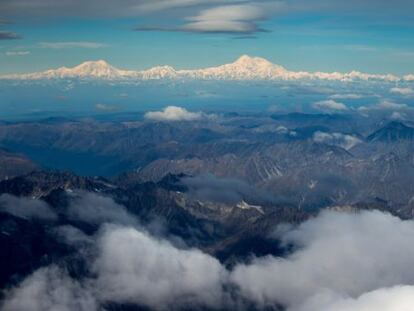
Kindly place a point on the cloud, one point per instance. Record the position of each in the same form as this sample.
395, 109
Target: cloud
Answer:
173, 113
105, 107
96, 8
17, 53
71, 45
8, 35
384, 105
95, 209
343, 254
396, 298
229, 19
155, 273
359, 261
396, 115
329, 106
346, 96
49, 289
337, 139
26, 208
234, 19
406, 91
130, 267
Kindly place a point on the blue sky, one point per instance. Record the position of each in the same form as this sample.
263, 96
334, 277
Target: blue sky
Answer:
374, 36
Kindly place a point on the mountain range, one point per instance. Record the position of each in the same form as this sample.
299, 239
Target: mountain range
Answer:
244, 68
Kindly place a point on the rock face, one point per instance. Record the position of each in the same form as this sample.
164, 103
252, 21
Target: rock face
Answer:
393, 132
283, 155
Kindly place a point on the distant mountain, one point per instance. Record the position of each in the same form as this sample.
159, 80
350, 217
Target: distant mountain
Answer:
244, 68
91, 69
392, 132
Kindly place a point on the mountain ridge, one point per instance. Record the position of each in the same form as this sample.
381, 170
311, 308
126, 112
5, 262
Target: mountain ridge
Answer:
244, 68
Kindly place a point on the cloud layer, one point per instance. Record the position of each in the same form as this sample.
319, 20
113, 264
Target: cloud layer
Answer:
340, 256
338, 139
340, 261
71, 44
329, 105
173, 113
26, 208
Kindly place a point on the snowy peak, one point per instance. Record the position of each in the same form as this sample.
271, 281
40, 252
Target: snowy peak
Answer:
90, 69
159, 72
98, 69
244, 68
246, 61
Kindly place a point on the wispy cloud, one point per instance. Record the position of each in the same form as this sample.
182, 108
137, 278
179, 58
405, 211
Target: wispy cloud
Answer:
173, 113
337, 139
346, 96
71, 45
384, 105
9, 35
17, 53
105, 107
405, 91
107, 8
329, 106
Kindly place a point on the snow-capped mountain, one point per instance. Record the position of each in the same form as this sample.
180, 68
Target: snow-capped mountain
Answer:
91, 69
244, 68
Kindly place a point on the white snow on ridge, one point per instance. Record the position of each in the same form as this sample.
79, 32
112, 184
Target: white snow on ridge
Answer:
244, 68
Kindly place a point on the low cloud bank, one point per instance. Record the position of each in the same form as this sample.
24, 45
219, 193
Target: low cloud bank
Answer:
95, 209
337, 139
339, 256
26, 208
405, 91
173, 113
135, 267
330, 105
340, 261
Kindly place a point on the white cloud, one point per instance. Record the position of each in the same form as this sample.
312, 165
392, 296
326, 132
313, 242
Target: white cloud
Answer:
17, 53
338, 139
340, 261
329, 106
398, 298
384, 105
49, 289
155, 273
173, 113
95, 209
396, 115
26, 208
71, 45
389, 105
346, 96
406, 91
343, 254
230, 18
105, 107
107, 8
